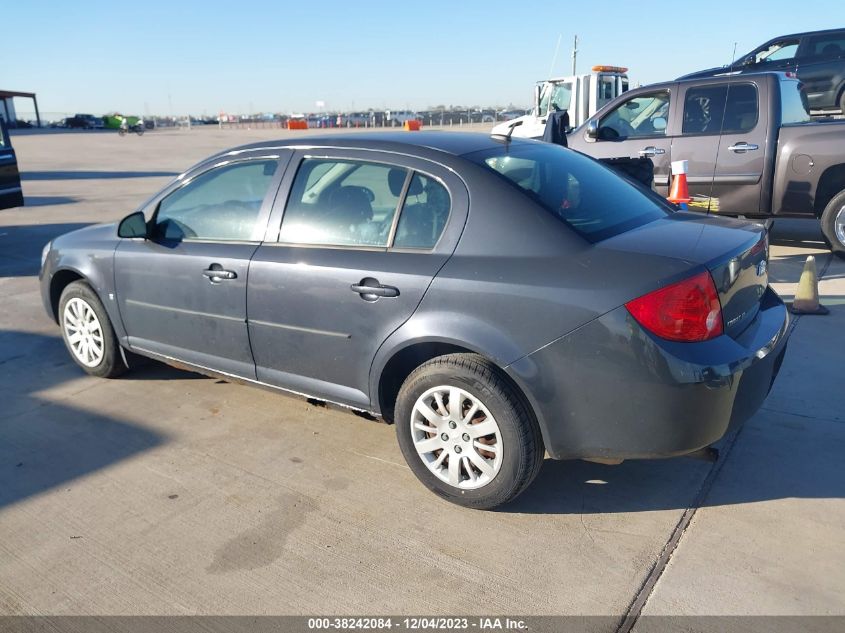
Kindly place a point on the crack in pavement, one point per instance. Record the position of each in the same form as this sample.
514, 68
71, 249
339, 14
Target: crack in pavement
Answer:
632, 614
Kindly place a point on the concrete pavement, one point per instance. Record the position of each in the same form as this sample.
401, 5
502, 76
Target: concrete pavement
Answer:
169, 493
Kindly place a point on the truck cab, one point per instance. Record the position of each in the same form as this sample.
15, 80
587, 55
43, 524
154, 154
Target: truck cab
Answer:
579, 95
751, 146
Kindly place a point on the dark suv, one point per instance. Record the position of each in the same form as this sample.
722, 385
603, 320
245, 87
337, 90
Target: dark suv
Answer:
817, 57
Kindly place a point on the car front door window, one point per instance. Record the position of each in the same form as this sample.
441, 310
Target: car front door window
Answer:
221, 204
777, 51
643, 115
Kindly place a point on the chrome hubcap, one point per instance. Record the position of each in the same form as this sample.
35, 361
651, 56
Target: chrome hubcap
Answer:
839, 226
456, 437
83, 332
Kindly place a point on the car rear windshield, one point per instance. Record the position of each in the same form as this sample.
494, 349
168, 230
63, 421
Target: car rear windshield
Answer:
589, 197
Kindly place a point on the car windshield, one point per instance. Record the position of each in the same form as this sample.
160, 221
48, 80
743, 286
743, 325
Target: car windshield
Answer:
590, 198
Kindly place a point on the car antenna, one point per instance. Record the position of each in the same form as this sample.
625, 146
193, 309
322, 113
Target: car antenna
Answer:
507, 136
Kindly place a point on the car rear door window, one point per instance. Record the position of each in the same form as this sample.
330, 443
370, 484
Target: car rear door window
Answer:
343, 203
741, 109
725, 109
830, 45
424, 213
220, 204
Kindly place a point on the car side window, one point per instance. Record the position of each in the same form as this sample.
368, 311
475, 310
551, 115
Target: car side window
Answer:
741, 109
704, 109
222, 203
423, 215
643, 115
338, 202
777, 51
725, 109
831, 45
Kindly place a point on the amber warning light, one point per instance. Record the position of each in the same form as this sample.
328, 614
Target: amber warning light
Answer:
609, 69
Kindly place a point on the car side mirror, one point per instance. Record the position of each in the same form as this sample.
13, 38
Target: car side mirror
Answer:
133, 225
659, 124
593, 128
748, 60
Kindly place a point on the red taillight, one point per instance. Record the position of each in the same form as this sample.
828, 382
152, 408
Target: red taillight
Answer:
686, 311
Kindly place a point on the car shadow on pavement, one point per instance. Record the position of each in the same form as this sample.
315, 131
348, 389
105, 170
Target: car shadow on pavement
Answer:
93, 175
46, 201
50, 434
20, 246
776, 456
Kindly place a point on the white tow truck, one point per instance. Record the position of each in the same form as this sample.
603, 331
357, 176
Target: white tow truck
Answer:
580, 95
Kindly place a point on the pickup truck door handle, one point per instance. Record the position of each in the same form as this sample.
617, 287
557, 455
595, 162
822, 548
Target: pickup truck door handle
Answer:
742, 147
651, 150
370, 289
216, 274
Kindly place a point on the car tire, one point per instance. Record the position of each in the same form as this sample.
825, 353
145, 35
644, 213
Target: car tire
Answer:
425, 420
833, 224
88, 333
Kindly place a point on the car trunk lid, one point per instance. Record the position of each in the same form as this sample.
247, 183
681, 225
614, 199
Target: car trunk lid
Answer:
735, 253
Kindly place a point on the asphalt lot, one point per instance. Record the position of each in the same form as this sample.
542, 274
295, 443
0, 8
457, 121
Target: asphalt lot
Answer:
165, 492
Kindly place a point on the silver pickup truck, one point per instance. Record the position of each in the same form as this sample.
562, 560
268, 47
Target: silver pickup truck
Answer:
751, 145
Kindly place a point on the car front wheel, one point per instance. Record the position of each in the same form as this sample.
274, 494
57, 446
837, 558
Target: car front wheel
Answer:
466, 432
88, 333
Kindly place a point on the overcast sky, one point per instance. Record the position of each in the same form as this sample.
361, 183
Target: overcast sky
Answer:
206, 57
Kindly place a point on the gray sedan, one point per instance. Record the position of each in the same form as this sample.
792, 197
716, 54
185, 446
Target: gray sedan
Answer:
496, 299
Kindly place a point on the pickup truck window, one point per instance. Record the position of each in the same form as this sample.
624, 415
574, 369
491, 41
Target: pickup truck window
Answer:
644, 115
725, 109
794, 107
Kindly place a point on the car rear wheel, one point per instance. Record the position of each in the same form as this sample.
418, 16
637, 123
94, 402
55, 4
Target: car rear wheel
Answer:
87, 332
833, 224
466, 433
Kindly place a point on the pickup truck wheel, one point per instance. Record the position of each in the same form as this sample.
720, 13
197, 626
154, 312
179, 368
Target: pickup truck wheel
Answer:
466, 433
87, 332
833, 224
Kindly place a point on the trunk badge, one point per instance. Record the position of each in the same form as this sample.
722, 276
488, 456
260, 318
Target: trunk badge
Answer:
762, 266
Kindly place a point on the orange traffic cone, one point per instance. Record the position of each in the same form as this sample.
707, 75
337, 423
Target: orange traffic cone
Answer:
679, 193
806, 299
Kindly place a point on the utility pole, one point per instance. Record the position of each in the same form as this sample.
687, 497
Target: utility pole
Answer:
574, 54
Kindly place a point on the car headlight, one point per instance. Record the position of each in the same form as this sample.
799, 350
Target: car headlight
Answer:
45, 251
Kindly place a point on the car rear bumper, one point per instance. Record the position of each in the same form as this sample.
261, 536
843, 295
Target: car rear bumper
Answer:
611, 390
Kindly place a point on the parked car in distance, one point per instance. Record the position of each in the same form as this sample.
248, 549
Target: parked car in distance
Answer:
818, 58
84, 122
355, 119
752, 147
11, 194
495, 300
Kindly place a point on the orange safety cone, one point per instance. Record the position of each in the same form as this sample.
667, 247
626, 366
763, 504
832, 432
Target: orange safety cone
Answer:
806, 299
679, 193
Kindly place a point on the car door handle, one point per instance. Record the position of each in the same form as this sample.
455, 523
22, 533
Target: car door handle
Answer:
370, 289
741, 148
651, 150
218, 274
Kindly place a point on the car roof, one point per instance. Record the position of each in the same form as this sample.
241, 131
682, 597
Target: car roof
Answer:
727, 76
805, 34
454, 143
